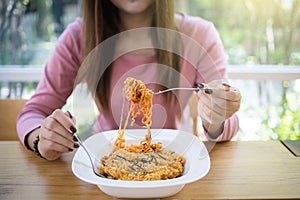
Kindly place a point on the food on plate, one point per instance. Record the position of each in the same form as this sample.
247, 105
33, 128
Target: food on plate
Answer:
155, 165
146, 160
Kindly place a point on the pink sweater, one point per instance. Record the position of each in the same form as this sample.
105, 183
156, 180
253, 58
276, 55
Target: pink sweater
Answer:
204, 65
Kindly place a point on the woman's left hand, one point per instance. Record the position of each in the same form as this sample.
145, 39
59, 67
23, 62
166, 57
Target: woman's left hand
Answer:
218, 106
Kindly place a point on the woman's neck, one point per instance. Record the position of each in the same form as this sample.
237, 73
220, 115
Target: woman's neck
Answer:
132, 21
135, 40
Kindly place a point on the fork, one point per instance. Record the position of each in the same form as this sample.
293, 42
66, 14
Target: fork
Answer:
90, 155
200, 86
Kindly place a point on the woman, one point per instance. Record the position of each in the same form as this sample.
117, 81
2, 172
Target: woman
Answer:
47, 130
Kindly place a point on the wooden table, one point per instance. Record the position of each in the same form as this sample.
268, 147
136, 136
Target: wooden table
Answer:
239, 170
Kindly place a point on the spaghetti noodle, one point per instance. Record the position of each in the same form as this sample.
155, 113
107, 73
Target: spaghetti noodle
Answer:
159, 165
140, 98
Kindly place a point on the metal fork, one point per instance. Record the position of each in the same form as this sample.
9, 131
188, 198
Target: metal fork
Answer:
90, 155
200, 86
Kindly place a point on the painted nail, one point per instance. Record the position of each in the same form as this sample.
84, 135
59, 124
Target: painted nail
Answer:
225, 84
70, 149
76, 145
75, 138
200, 85
208, 91
70, 114
73, 129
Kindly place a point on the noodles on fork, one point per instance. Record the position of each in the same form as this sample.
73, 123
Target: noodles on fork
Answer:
140, 98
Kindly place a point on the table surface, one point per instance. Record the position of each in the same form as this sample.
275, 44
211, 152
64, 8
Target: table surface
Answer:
239, 170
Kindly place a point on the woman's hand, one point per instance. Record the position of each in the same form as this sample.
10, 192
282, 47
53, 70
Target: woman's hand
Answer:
56, 135
215, 108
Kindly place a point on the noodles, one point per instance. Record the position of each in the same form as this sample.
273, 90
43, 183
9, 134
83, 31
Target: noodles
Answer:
146, 160
140, 98
124, 165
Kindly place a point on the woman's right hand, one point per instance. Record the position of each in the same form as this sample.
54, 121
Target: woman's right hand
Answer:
55, 135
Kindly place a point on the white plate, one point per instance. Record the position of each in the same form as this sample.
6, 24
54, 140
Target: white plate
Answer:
193, 150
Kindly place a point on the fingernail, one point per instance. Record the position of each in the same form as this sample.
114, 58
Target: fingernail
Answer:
75, 138
225, 84
70, 114
70, 149
76, 145
200, 85
208, 91
73, 129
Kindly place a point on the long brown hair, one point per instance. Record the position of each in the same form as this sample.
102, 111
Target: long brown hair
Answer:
101, 21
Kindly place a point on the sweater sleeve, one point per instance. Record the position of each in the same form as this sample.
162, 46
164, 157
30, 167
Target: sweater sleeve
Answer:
57, 83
